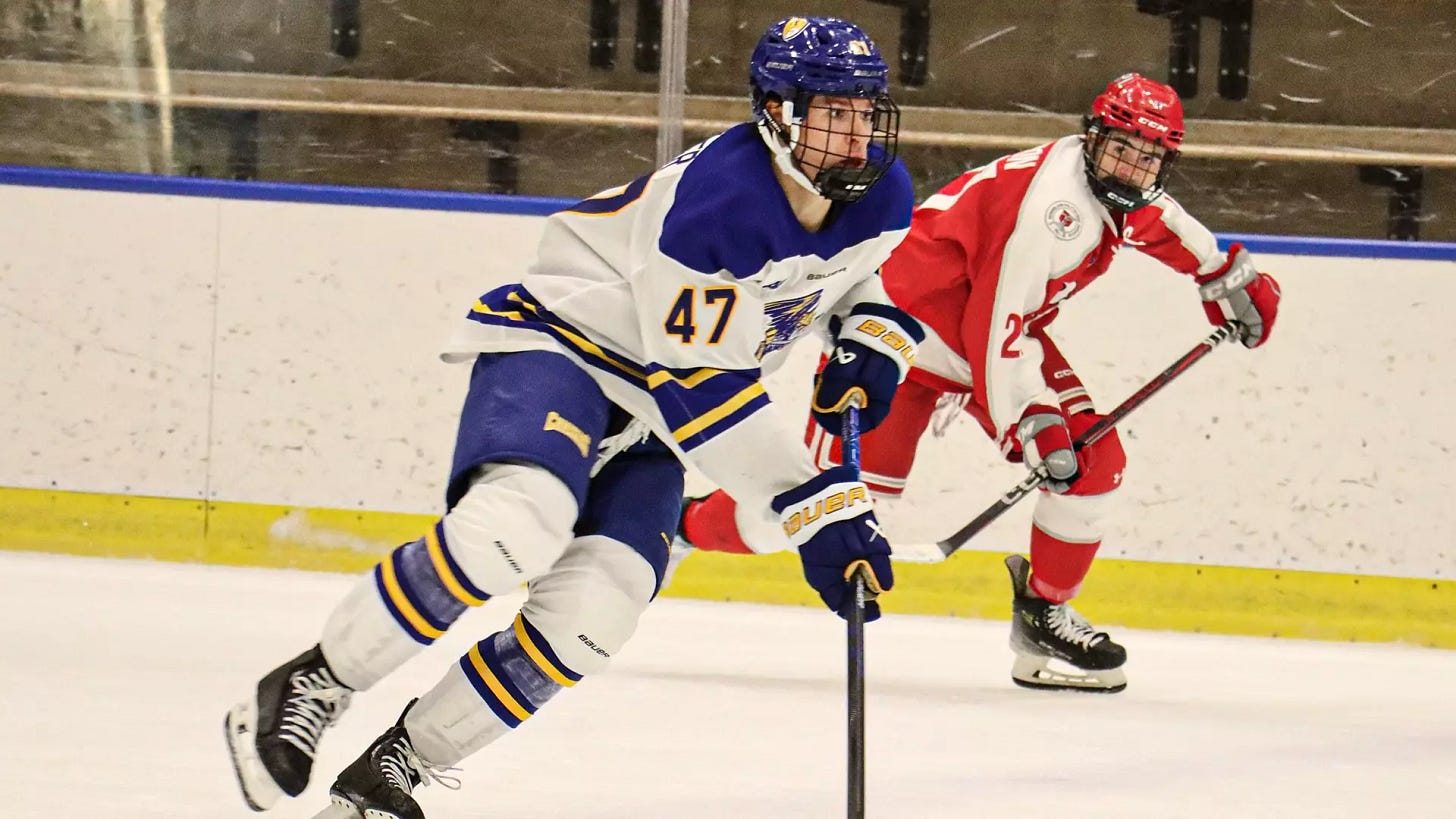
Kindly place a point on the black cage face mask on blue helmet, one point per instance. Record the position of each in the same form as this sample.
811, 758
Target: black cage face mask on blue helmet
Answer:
801, 60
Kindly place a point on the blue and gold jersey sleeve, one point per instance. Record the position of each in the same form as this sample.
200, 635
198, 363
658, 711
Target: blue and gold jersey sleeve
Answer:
513, 307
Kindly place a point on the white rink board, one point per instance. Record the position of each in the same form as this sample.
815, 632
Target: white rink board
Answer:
105, 340
283, 353
330, 390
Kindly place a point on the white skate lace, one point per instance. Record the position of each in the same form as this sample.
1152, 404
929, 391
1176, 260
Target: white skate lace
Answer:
403, 768
317, 702
1067, 624
634, 433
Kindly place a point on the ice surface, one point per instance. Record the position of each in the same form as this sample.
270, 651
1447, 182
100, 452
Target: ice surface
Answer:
117, 674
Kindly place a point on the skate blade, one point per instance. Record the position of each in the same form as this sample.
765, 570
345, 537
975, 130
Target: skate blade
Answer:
339, 809
1036, 672
257, 785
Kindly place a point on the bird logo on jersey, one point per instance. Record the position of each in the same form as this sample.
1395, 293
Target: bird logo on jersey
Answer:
786, 320
1064, 221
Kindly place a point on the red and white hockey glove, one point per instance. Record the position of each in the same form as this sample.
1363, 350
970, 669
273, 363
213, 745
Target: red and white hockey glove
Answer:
1238, 291
1046, 439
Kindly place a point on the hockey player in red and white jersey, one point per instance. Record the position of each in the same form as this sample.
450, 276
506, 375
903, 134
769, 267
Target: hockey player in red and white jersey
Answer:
987, 264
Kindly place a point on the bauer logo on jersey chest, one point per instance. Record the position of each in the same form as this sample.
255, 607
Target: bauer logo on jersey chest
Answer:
814, 277
1064, 220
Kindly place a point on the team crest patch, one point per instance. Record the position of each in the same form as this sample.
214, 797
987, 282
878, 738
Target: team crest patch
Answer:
792, 27
859, 47
785, 320
1064, 221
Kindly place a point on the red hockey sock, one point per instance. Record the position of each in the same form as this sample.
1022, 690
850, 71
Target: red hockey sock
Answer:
710, 525
1058, 566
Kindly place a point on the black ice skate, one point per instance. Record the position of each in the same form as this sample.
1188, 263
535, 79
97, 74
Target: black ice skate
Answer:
273, 736
379, 784
1042, 631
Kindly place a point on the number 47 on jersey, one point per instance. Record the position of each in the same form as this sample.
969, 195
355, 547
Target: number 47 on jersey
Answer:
682, 319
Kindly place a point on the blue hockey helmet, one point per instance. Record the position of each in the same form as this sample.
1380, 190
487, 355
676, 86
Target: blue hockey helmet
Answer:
800, 58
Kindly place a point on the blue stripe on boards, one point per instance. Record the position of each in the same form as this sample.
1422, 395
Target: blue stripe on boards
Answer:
280, 191
1358, 248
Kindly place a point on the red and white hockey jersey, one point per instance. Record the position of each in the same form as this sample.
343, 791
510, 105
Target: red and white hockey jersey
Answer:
991, 256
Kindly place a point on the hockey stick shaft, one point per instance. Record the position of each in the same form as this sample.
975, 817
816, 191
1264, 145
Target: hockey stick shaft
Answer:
849, 439
1038, 476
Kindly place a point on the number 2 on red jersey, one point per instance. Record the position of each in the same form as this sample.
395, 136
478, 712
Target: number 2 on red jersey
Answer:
1014, 324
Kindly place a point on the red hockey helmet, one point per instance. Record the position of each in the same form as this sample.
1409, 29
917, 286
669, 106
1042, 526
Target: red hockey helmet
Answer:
1138, 105
1135, 105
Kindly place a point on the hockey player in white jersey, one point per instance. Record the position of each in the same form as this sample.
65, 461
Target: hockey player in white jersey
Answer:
636, 341
987, 265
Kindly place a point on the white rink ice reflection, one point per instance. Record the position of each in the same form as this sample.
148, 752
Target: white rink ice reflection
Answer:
116, 674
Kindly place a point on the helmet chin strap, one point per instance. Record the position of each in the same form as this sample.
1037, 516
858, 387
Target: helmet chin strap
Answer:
784, 154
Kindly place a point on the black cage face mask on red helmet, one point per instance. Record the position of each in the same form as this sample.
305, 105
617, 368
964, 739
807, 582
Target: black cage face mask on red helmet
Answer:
1132, 140
1126, 171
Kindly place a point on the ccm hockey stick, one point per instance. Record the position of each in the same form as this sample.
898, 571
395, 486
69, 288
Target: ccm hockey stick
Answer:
947, 547
855, 617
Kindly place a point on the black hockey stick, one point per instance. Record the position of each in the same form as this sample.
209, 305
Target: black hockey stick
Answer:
1038, 476
855, 617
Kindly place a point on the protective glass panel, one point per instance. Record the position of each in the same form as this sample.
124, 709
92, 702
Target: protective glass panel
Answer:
1307, 118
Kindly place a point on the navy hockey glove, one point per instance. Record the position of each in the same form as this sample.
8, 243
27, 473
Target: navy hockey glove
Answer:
875, 347
831, 521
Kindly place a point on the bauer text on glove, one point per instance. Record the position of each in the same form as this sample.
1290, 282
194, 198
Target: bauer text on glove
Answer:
873, 352
831, 521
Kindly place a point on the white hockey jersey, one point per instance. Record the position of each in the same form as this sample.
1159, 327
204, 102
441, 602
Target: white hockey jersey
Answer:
991, 257
679, 291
